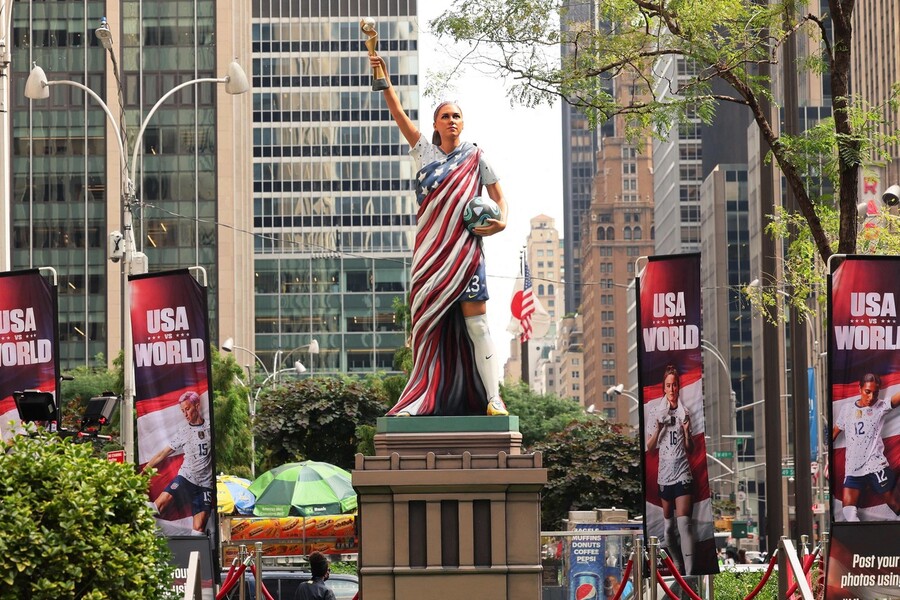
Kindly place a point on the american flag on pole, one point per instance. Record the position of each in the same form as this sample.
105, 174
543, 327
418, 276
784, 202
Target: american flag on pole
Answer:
527, 306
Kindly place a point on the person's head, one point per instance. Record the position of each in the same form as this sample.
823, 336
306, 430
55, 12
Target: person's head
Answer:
671, 384
190, 407
869, 386
448, 120
318, 565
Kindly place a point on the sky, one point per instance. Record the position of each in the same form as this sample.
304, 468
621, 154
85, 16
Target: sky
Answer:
524, 147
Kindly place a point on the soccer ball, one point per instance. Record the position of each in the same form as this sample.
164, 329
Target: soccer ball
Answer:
478, 210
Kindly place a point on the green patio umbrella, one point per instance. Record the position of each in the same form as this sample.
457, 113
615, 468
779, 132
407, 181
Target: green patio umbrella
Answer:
305, 489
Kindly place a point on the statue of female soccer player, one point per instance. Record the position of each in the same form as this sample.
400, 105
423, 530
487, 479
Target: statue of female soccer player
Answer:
455, 370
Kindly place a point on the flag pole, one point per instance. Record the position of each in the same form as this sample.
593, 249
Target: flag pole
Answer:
523, 348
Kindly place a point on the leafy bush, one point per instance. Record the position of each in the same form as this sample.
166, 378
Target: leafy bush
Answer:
344, 568
590, 464
315, 419
735, 585
75, 526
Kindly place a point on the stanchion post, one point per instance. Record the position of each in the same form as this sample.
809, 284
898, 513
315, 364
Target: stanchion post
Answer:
242, 554
652, 550
258, 559
638, 569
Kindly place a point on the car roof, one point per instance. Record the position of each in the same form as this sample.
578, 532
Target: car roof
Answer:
282, 584
284, 574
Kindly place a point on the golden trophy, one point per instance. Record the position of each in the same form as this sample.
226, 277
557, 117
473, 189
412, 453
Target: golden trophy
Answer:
379, 81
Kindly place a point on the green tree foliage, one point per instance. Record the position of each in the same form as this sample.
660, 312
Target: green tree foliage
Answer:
590, 464
316, 418
540, 414
231, 416
734, 41
75, 526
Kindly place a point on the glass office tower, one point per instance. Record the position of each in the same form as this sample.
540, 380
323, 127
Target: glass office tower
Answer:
333, 200
192, 174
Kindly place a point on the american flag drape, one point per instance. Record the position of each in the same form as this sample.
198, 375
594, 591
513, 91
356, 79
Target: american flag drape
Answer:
527, 305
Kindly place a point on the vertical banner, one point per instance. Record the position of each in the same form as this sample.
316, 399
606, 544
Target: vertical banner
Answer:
678, 506
864, 380
29, 342
170, 325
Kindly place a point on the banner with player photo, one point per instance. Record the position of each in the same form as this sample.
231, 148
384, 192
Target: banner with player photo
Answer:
29, 342
170, 325
678, 504
864, 380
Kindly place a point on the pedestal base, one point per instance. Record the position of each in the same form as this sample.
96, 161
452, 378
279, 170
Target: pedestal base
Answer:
408, 436
438, 521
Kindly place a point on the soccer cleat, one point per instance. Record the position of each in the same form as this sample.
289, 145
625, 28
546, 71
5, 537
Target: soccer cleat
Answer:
496, 408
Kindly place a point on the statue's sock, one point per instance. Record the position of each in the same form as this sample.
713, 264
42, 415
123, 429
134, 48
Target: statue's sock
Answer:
485, 358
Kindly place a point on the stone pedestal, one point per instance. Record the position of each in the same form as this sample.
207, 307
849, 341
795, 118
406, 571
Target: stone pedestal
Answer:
449, 509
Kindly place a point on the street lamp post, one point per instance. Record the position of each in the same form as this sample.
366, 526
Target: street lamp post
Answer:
229, 346
37, 87
312, 347
709, 347
5, 131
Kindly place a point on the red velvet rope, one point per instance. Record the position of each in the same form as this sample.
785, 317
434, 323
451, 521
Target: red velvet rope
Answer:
262, 585
765, 577
666, 588
674, 570
808, 561
625, 575
231, 570
231, 582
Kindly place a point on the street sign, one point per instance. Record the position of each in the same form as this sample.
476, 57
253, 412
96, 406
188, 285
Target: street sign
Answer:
723, 454
117, 456
787, 471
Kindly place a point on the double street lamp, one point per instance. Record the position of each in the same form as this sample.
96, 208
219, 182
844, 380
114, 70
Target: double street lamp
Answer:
122, 245
271, 376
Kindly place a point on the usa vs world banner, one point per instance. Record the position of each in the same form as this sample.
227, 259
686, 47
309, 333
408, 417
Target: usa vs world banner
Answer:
169, 321
29, 341
678, 507
864, 373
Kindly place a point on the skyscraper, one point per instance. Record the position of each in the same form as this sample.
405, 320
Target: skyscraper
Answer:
192, 175
333, 200
580, 145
